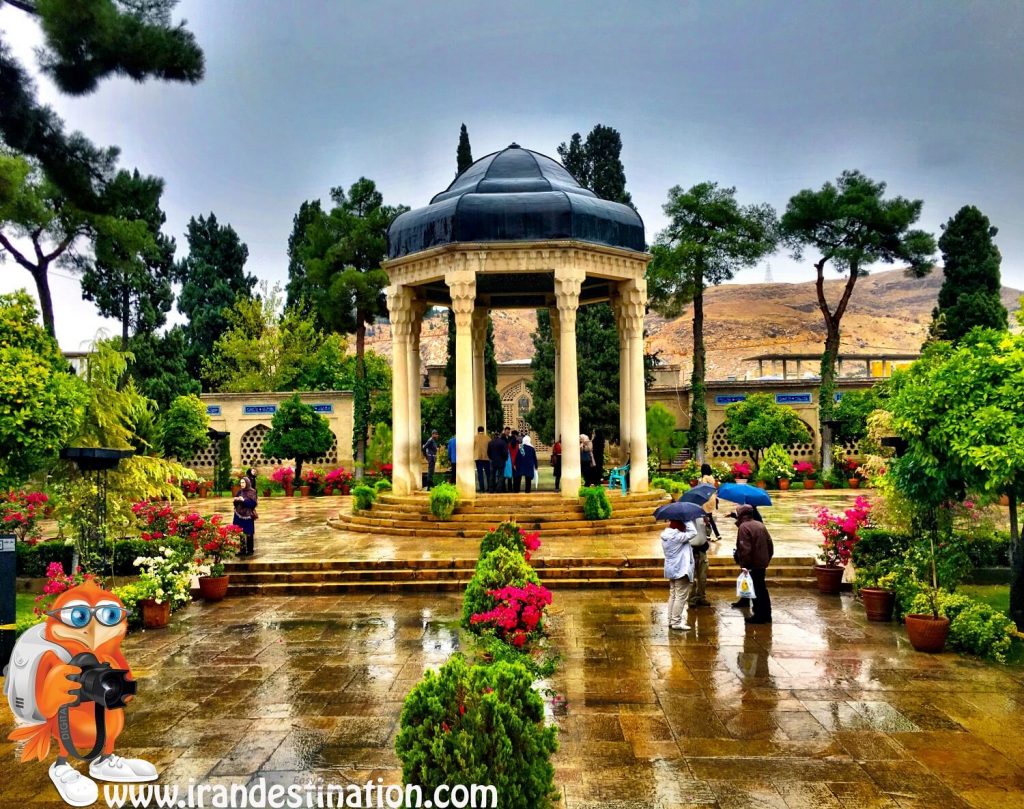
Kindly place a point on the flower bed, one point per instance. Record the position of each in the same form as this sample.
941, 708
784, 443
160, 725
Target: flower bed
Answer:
20, 513
840, 531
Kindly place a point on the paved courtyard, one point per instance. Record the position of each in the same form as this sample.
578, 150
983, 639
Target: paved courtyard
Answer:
820, 709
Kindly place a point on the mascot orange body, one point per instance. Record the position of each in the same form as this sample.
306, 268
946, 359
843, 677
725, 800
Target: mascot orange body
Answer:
54, 689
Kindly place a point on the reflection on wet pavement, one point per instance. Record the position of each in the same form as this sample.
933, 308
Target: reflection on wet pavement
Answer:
819, 709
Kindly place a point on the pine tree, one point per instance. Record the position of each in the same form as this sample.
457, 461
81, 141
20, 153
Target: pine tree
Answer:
464, 154
301, 295
970, 294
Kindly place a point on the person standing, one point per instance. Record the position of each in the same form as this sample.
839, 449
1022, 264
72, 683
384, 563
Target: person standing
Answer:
754, 552
707, 478
587, 459
556, 463
451, 460
598, 445
699, 544
251, 474
497, 454
526, 465
430, 449
245, 516
480, 459
675, 544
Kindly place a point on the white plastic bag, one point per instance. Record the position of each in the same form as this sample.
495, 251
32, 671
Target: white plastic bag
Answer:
745, 586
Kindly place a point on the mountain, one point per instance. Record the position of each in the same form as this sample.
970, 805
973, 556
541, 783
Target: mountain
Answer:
888, 313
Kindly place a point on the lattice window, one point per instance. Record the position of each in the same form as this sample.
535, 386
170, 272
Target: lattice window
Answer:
723, 448
205, 458
252, 449
798, 451
852, 449
331, 457
515, 404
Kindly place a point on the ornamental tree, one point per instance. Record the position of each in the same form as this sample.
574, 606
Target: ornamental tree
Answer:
662, 435
709, 239
850, 225
183, 427
297, 431
758, 422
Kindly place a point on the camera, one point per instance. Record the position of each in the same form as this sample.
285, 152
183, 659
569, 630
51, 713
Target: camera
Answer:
100, 682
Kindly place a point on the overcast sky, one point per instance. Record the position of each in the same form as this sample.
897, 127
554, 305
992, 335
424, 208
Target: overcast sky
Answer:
304, 95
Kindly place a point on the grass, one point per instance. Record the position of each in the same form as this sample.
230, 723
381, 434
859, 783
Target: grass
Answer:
24, 602
996, 596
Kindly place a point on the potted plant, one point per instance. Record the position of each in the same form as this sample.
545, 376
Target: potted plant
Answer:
928, 632
163, 584
315, 482
839, 532
854, 473
741, 471
776, 467
339, 480
285, 476
804, 472
190, 488
876, 587
215, 544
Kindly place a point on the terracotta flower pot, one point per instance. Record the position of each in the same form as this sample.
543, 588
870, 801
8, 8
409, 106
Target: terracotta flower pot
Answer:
213, 588
810, 484
268, 492
878, 603
828, 484
1004, 499
304, 491
155, 616
694, 482
760, 484
783, 484
927, 633
854, 483
203, 491
830, 579
328, 491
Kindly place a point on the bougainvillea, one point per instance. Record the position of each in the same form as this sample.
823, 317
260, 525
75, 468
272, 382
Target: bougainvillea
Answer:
339, 479
518, 616
57, 582
20, 512
284, 475
741, 470
803, 470
840, 531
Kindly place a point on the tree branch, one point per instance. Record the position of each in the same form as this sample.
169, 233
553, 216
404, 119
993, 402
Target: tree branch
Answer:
64, 245
819, 286
848, 291
18, 257
23, 5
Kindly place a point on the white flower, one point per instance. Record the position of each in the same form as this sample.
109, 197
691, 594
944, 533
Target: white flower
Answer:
160, 593
168, 553
138, 561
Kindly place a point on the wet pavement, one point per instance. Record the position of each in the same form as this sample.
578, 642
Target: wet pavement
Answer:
820, 709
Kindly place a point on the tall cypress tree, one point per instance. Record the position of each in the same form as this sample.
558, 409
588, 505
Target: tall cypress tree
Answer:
970, 294
464, 154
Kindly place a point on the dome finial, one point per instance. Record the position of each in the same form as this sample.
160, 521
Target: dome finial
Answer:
514, 145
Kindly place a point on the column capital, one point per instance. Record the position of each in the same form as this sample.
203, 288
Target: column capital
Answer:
462, 288
632, 306
568, 283
400, 309
479, 327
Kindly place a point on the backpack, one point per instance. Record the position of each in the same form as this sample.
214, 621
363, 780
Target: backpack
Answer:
20, 673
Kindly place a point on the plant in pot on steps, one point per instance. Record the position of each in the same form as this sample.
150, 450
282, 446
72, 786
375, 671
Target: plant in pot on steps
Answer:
215, 544
163, 585
839, 535
805, 473
776, 467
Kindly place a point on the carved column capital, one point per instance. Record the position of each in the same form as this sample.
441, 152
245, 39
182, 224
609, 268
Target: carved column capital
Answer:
479, 328
400, 310
632, 306
462, 288
568, 283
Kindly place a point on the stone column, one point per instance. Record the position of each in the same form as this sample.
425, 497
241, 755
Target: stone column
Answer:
553, 315
400, 311
417, 309
462, 286
624, 376
568, 281
634, 303
479, 379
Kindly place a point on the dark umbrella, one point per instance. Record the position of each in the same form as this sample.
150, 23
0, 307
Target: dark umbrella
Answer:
699, 494
684, 512
743, 494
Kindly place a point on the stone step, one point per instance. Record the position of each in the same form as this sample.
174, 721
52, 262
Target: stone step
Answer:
372, 519
542, 514
474, 533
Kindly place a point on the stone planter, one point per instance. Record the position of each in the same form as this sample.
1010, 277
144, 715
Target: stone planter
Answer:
830, 579
213, 588
878, 603
854, 483
927, 633
155, 616
810, 484
783, 484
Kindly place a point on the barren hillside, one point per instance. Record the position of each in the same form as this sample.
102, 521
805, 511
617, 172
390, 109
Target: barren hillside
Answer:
888, 313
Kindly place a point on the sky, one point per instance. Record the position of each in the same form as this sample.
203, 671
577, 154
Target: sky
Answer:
769, 97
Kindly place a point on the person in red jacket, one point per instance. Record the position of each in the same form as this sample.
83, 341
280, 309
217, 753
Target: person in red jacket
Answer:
754, 552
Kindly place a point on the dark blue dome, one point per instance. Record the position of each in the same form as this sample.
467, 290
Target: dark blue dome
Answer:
515, 195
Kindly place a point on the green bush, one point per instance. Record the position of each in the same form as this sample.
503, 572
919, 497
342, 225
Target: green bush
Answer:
775, 465
443, 500
974, 627
502, 567
505, 535
383, 485
876, 546
989, 550
479, 725
673, 487
126, 551
34, 559
596, 505
363, 498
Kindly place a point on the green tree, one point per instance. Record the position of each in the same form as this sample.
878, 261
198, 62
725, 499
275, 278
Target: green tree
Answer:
41, 402
851, 225
212, 278
297, 431
961, 412
130, 279
343, 251
301, 296
596, 163
662, 435
183, 428
852, 410
380, 451
464, 153
970, 293
709, 239
160, 369
758, 422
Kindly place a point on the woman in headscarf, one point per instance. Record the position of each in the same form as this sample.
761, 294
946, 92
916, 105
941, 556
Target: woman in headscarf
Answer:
598, 470
245, 516
586, 459
526, 465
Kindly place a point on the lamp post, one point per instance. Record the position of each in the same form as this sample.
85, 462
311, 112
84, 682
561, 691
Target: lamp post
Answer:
8, 608
99, 461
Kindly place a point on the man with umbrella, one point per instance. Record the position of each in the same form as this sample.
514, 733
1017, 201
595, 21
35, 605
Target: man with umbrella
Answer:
743, 494
754, 551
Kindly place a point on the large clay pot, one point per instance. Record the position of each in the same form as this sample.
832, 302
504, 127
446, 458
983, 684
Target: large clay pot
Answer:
328, 491
783, 484
155, 616
854, 483
203, 491
828, 484
289, 490
760, 484
1004, 499
268, 492
927, 633
878, 603
810, 484
830, 579
304, 491
213, 588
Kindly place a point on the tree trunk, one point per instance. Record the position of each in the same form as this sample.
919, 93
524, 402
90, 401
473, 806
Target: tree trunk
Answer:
1016, 567
360, 402
826, 401
125, 304
42, 279
698, 407
298, 471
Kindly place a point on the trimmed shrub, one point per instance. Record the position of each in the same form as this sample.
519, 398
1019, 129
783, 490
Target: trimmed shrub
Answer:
363, 498
673, 487
383, 485
875, 546
33, 560
502, 567
479, 725
989, 550
443, 500
974, 627
506, 535
596, 505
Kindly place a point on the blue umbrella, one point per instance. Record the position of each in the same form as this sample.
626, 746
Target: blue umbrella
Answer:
699, 494
684, 512
743, 494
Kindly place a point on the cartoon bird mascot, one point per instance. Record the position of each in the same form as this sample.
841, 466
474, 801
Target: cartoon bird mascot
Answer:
68, 680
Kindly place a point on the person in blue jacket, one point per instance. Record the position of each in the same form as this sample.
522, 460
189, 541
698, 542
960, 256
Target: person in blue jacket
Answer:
526, 465
451, 459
